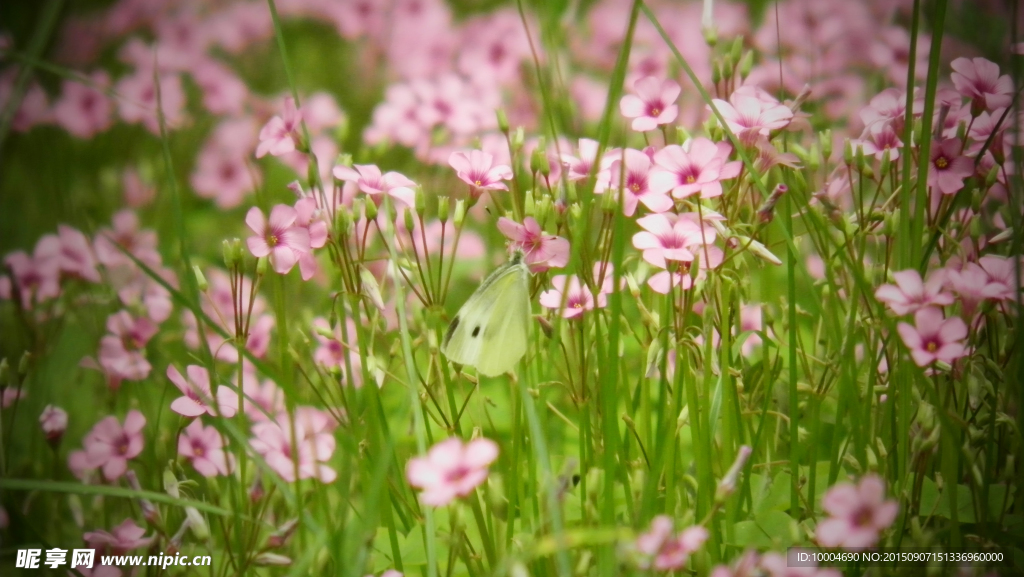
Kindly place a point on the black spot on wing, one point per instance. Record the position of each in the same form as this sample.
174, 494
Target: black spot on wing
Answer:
476, 330
451, 329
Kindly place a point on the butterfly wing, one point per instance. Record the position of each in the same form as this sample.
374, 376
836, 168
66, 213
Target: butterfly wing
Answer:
490, 331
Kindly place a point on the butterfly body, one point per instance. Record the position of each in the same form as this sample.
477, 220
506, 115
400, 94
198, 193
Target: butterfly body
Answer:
491, 330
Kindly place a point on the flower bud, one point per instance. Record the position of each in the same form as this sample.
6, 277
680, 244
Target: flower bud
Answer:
408, 221
518, 139
266, 559
344, 160
419, 200
256, 491
227, 249
543, 210
736, 50
24, 363
197, 523
727, 485
847, 152
502, 121
716, 72
746, 65
825, 138
710, 35
369, 288
358, 209
283, 534
610, 200
53, 421
343, 221
460, 212
539, 159
370, 210
443, 208
171, 483
200, 278
886, 163
261, 265
529, 204
992, 176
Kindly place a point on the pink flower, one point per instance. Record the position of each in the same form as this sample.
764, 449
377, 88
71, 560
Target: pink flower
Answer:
122, 353
451, 469
10, 395
120, 540
110, 444
669, 238
879, 138
314, 444
261, 401
321, 112
979, 80
138, 291
138, 101
858, 513
948, 168
198, 398
84, 110
653, 103
934, 339
1002, 274
205, 448
310, 217
53, 421
35, 106
577, 296
277, 238
701, 168
72, 251
889, 107
664, 551
223, 175
338, 350
477, 169
635, 183
279, 135
910, 294
127, 235
579, 167
370, 180
223, 91
36, 277
542, 251
752, 112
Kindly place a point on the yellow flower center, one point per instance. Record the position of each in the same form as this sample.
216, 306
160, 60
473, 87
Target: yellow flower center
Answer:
941, 162
634, 187
478, 182
932, 347
272, 240
655, 111
690, 179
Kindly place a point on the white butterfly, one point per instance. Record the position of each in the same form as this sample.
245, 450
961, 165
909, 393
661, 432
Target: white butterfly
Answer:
490, 331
